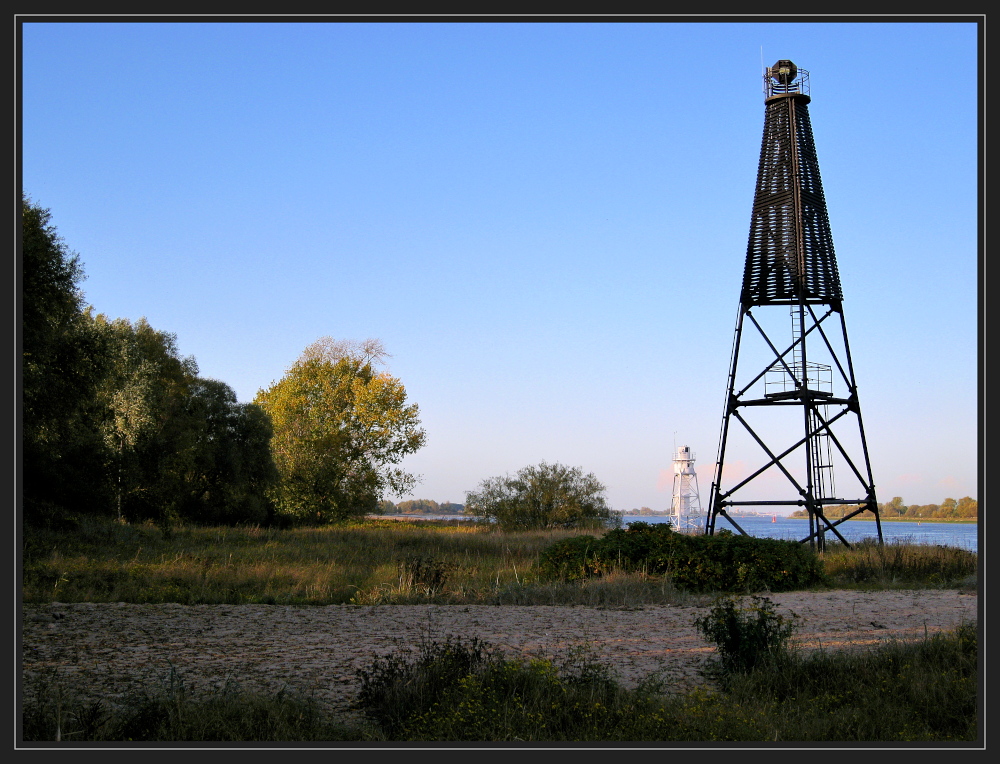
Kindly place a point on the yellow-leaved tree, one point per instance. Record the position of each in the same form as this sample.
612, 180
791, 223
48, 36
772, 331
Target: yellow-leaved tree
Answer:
341, 425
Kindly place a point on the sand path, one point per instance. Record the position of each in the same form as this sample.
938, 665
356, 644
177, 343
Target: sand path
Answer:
108, 650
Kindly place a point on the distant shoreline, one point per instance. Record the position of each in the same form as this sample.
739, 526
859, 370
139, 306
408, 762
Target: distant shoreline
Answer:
973, 521
942, 520
415, 516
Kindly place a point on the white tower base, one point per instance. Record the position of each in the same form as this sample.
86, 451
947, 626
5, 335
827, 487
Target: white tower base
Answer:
686, 515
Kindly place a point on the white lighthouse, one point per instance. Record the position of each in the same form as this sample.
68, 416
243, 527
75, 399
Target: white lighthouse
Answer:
685, 505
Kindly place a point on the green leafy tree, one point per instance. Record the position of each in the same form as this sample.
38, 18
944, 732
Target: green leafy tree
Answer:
340, 428
142, 403
61, 363
114, 419
542, 496
229, 467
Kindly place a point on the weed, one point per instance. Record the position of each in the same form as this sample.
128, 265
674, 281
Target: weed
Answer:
746, 637
899, 563
395, 688
424, 573
169, 712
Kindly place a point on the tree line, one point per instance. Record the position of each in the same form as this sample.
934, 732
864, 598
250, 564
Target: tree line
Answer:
949, 509
421, 507
115, 422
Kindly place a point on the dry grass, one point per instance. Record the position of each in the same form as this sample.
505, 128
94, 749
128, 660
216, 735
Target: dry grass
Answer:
385, 562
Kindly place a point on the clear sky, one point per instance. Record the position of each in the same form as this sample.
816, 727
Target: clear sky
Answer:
545, 223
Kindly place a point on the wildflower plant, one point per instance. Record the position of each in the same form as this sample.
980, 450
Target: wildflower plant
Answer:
746, 636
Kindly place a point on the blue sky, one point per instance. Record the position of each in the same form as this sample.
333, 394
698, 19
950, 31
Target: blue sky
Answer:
545, 223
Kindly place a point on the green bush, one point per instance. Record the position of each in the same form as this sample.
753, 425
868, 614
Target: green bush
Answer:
457, 690
723, 562
746, 637
170, 713
543, 496
395, 688
571, 559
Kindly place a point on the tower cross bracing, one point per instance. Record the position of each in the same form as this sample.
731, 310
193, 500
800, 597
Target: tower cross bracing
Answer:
792, 398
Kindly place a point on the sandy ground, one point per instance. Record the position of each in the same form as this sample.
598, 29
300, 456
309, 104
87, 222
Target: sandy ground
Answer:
109, 650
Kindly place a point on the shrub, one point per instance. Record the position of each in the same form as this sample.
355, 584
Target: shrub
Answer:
737, 563
423, 573
571, 559
746, 637
393, 688
543, 496
456, 690
722, 562
903, 690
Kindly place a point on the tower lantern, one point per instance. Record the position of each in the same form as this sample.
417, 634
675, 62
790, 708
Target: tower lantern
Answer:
792, 399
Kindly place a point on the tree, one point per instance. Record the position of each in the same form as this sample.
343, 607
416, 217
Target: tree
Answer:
340, 427
542, 496
967, 507
61, 363
115, 421
419, 507
229, 468
894, 508
947, 508
142, 401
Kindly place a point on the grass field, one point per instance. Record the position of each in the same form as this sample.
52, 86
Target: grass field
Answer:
384, 561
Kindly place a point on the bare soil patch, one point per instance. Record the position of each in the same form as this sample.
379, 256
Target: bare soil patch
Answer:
109, 650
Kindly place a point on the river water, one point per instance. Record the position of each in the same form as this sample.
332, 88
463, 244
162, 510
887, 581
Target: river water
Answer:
963, 535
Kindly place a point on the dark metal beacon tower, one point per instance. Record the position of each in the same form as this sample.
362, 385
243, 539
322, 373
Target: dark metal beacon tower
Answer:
804, 386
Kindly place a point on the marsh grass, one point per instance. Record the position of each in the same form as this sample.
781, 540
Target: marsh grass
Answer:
372, 562
167, 711
900, 564
924, 691
387, 562
900, 691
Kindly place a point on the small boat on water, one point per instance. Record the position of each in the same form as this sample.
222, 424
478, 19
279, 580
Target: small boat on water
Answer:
774, 518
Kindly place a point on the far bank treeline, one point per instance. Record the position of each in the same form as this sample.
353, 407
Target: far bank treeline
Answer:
115, 422
965, 508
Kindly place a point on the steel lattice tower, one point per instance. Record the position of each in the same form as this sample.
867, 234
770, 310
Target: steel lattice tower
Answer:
804, 386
